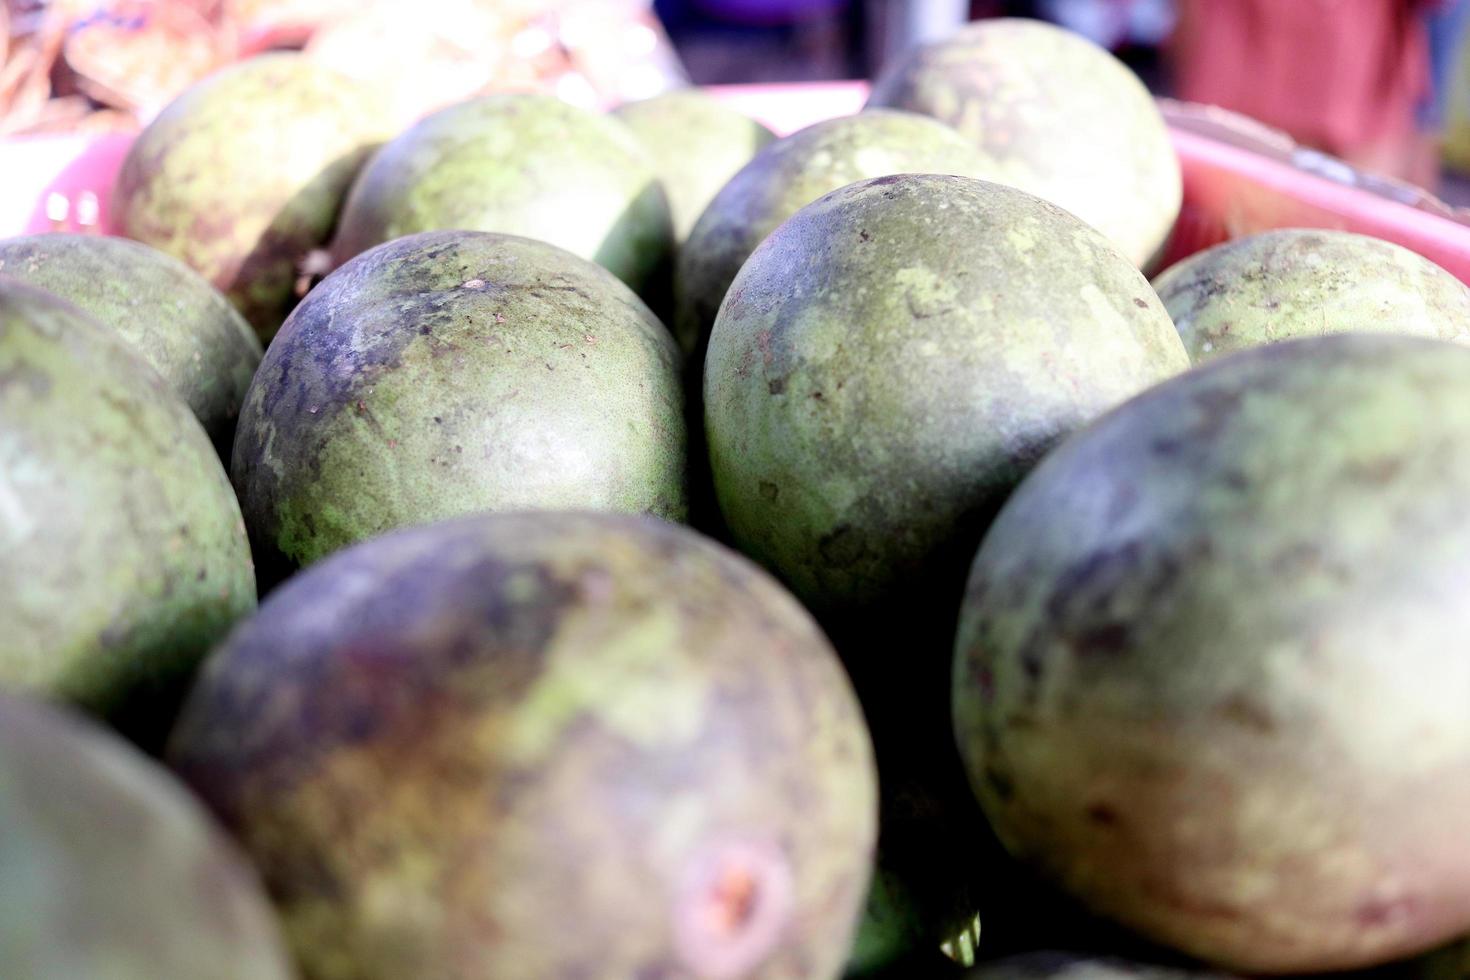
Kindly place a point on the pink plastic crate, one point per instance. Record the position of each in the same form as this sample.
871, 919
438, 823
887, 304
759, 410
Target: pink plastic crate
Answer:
1238, 178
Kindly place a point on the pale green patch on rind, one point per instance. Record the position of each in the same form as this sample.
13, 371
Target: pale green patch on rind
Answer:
1055, 115
180, 324
1211, 665
697, 144
111, 871
243, 174
123, 557
1293, 283
520, 164
893, 359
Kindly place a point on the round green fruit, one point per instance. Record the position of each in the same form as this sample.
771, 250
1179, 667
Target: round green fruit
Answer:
110, 871
1211, 666
243, 175
1300, 282
541, 745
451, 372
122, 554
785, 177
521, 164
893, 359
179, 323
697, 144
1055, 115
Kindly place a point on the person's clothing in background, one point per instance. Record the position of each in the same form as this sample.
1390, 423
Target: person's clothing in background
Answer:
1113, 23
1450, 45
1350, 77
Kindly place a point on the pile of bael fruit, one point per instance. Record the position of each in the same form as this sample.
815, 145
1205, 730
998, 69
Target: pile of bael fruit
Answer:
1087, 627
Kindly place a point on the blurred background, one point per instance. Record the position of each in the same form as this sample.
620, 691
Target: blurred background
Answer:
1384, 84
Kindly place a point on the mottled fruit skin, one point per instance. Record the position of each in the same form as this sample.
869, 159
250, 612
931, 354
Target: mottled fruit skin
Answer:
1300, 282
522, 164
785, 177
180, 324
243, 175
1055, 115
890, 363
451, 372
697, 143
110, 871
122, 554
1211, 667
1076, 966
541, 745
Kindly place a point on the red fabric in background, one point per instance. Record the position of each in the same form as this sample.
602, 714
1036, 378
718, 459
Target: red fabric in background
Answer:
1341, 75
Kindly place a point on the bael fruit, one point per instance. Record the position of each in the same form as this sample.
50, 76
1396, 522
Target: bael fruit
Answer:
122, 554
180, 324
243, 174
541, 745
110, 871
1055, 115
451, 372
1300, 282
697, 143
892, 360
521, 164
1211, 667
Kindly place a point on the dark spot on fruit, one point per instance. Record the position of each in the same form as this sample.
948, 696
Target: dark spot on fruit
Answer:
1140, 303
1384, 912
1107, 639
769, 490
776, 386
1240, 709
863, 235
842, 547
1103, 815
1000, 784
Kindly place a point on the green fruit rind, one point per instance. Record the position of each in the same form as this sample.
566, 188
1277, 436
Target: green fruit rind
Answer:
1210, 670
893, 359
1299, 282
123, 557
243, 175
180, 324
788, 175
532, 745
451, 372
1055, 115
110, 871
697, 143
521, 164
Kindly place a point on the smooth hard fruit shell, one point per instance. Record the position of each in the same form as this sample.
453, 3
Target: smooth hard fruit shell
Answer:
521, 164
122, 554
242, 176
1211, 667
785, 177
180, 324
697, 144
1055, 115
1305, 283
542, 745
452, 372
892, 360
110, 871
